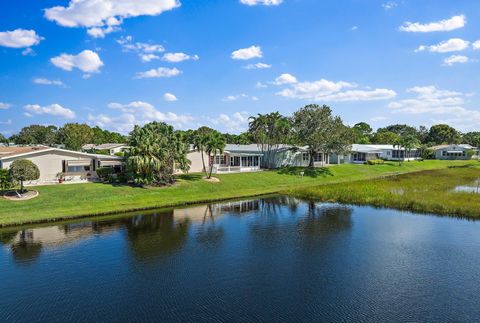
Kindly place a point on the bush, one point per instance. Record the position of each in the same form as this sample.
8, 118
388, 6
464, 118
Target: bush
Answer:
5, 180
375, 162
24, 170
105, 172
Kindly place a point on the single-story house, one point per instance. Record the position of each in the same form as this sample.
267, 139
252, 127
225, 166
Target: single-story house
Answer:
455, 152
111, 148
75, 166
361, 153
248, 158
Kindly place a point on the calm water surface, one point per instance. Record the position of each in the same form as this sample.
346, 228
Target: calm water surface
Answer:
273, 259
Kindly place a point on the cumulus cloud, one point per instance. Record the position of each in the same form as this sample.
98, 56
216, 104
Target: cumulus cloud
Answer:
179, 57
54, 110
86, 61
236, 122
476, 45
44, 81
454, 59
126, 116
285, 78
325, 90
451, 45
238, 97
19, 38
146, 51
389, 5
159, 72
261, 2
5, 106
257, 66
247, 53
260, 85
169, 97
443, 25
443, 106
106, 16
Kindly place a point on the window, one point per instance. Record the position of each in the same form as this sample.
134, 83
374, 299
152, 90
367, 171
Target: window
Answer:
318, 157
305, 157
219, 160
78, 169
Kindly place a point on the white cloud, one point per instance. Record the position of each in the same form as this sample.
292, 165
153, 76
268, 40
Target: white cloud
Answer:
54, 110
136, 113
19, 38
257, 66
44, 81
325, 90
106, 16
260, 85
354, 28
236, 122
7, 123
87, 61
379, 118
247, 53
442, 106
261, 2
451, 45
147, 52
476, 45
443, 25
449, 61
179, 57
389, 5
235, 97
169, 97
5, 106
159, 72
285, 78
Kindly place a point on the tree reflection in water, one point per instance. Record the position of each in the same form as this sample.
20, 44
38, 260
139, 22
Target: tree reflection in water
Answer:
208, 232
156, 235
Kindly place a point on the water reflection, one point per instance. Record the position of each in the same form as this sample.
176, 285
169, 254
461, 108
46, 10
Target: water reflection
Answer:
470, 188
153, 235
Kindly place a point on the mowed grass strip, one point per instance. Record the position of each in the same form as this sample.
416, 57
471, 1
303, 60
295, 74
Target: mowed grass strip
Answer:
430, 191
58, 202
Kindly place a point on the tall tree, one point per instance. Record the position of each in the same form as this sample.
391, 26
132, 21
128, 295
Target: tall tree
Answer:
101, 136
443, 134
37, 135
385, 138
24, 170
269, 131
3, 140
472, 138
362, 133
315, 127
199, 140
400, 129
75, 135
214, 146
155, 152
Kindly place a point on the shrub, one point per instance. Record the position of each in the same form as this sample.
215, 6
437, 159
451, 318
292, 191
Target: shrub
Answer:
105, 172
5, 180
375, 162
24, 170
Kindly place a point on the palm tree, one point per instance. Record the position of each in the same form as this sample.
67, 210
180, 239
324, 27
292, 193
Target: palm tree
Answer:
215, 144
199, 141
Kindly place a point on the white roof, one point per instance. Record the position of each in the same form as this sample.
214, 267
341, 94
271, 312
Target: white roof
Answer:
42, 149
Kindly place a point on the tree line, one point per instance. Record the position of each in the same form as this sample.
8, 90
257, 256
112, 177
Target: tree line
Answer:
157, 149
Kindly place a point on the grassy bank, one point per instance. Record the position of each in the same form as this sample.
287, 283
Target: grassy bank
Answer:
429, 191
68, 201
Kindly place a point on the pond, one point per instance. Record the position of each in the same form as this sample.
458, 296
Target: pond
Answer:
469, 188
276, 258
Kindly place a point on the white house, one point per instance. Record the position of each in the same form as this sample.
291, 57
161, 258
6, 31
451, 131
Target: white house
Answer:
111, 148
75, 166
455, 152
361, 153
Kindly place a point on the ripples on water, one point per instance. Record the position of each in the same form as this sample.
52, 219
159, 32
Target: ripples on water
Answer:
277, 258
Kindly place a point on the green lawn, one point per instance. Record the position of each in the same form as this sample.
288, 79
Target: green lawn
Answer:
431, 191
68, 201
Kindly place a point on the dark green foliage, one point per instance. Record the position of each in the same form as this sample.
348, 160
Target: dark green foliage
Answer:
104, 172
443, 134
5, 180
24, 170
37, 135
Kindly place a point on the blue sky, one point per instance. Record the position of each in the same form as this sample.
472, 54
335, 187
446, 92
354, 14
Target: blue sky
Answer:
216, 62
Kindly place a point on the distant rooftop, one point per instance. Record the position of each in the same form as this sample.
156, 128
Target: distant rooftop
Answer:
19, 150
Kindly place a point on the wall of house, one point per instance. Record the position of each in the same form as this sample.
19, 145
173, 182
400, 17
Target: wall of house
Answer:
196, 165
439, 154
49, 164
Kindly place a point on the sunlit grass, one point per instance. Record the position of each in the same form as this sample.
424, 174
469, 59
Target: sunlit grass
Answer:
69, 201
429, 191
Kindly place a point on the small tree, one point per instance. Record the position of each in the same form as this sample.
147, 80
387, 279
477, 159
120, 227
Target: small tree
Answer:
5, 182
24, 170
213, 146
